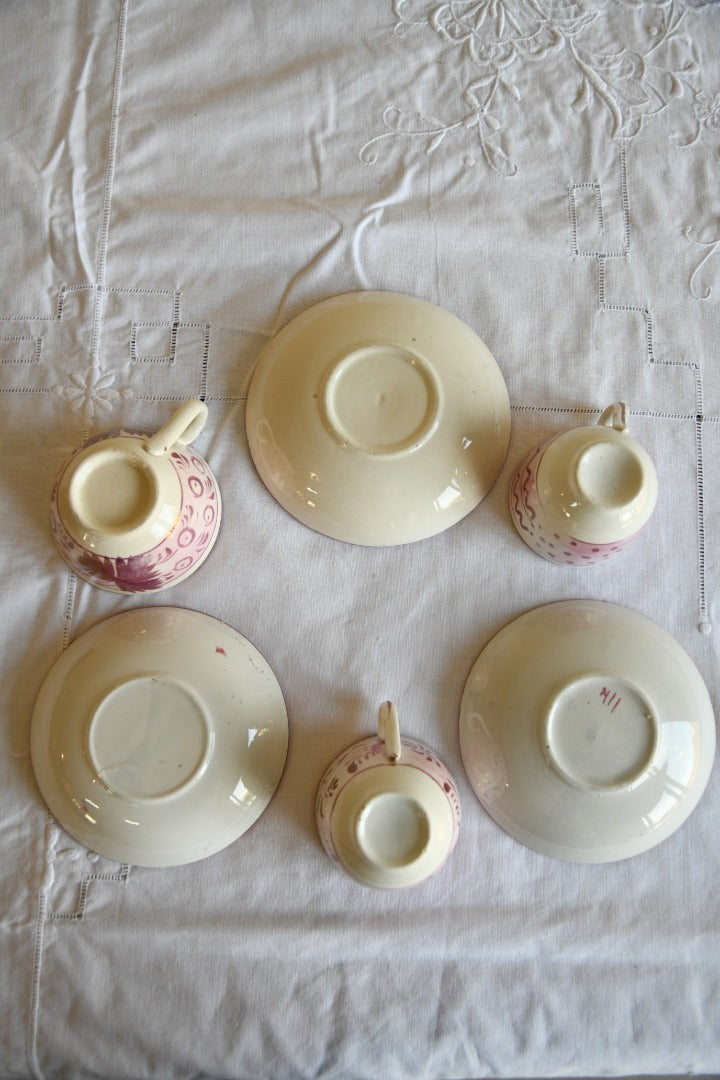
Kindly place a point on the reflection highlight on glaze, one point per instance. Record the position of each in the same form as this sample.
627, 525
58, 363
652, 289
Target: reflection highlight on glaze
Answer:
447, 498
241, 795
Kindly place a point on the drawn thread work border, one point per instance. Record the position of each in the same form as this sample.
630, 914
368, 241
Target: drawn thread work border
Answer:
98, 303
644, 311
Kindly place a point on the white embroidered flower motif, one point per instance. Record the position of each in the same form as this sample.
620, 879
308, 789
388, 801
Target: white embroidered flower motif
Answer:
707, 109
605, 59
502, 31
705, 117
91, 394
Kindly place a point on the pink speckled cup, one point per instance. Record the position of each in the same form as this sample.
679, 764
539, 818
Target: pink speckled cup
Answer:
582, 496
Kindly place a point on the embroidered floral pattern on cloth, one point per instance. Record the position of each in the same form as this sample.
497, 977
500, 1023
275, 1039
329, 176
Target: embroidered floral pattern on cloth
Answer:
501, 45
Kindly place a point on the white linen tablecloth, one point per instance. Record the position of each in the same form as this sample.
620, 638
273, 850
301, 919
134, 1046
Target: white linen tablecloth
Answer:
178, 181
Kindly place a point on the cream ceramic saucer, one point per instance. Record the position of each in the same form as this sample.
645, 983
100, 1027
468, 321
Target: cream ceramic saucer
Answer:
377, 418
159, 736
586, 731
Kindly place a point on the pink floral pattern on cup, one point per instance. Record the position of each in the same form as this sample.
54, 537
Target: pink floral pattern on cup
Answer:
371, 753
175, 557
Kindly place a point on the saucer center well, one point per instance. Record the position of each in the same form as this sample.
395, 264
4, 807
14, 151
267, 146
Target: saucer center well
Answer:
148, 738
600, 733
392, 830
381, 399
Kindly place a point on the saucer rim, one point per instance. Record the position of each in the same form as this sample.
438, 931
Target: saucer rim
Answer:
229, 823
611, 849
421, 517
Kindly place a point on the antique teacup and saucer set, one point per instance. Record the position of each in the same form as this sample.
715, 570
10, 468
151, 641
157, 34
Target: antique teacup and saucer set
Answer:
160, 735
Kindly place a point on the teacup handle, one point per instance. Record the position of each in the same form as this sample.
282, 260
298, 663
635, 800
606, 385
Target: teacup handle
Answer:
183, 426
615, 416
389, 730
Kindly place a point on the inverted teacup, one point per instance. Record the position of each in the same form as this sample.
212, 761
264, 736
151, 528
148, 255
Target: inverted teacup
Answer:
387, 809
582, 496
134, 513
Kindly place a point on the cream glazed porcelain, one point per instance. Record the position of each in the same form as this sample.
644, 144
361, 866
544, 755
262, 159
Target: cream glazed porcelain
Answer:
159, 736
387, 809
586, 731
377, 418
132, 513
582, 496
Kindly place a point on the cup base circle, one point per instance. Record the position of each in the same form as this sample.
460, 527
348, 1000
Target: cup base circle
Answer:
609, 475
392, 830
148, 738
392, 826
113, 499
600, 733
113, 491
